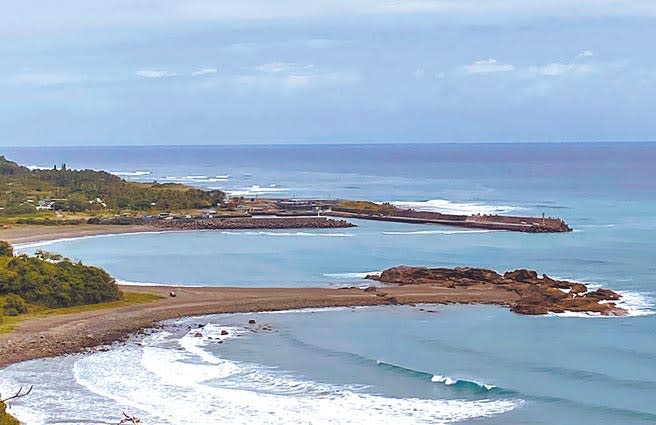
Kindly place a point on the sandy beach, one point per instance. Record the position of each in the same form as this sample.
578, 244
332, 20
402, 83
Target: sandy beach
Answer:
23, 234
71, 333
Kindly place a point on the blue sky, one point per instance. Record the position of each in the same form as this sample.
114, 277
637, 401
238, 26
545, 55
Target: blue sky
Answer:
133, 72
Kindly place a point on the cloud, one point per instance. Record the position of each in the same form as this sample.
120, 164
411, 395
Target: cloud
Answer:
488, 66
65, 15
277, 67
558, 69
585, 54
45, 79
297, 80
204, 71
154, 73
419, 73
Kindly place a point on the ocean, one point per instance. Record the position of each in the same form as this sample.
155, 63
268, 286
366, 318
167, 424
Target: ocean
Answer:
396, 364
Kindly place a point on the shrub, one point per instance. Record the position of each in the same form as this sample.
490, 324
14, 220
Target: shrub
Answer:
6, 250
14, 302
11, 312
6, 418
52, 284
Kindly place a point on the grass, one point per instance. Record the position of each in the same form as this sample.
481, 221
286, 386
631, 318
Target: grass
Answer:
9, 323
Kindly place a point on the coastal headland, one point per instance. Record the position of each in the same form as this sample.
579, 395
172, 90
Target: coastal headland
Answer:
522, 291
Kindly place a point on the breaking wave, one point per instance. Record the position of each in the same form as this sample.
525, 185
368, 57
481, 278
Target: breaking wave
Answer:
449, 207
130, 173
255, 190
357, 275
456, 383
196, 386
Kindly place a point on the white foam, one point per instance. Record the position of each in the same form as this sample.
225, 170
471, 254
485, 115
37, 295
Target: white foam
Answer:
132, 283
255, 190
334, 235
636, 303
357, 275
28, 415
449, 207
23, 246
447, 380
168, 391
130, 173
196, 339
38, 167
444, 380
440, 232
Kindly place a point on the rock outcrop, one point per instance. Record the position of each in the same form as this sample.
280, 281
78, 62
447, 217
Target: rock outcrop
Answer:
534, 295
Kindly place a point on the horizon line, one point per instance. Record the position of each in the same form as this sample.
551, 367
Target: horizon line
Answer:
546, 142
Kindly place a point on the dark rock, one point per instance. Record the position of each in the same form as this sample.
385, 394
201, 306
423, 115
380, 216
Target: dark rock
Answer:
531, 294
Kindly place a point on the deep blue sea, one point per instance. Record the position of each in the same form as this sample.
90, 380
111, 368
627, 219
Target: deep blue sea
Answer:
396, 365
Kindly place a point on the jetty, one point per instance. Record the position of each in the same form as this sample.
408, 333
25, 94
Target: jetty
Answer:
365, 210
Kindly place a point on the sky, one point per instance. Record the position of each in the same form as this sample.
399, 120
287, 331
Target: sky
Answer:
143, 72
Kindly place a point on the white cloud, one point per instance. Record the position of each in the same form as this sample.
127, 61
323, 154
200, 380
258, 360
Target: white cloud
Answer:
297, 80
278, 67
559, 69
65, 15
585, 54
488, 66
154, 73
204, 71
45, 79
439, 75
419, 73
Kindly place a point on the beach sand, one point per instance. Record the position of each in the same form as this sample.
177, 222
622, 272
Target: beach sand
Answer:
23, 234
72, 333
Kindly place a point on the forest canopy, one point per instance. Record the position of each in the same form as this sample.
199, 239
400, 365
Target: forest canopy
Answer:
23, 191
50, 280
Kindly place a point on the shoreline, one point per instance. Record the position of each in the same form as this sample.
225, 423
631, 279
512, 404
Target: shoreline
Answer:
34, 234
31, 234
62, 334
70, 333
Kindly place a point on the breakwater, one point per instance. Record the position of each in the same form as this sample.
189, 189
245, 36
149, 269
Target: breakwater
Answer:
233, 223
492, 222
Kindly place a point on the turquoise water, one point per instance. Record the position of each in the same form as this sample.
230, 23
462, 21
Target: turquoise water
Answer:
473, 364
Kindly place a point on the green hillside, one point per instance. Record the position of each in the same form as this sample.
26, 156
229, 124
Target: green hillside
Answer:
24, 191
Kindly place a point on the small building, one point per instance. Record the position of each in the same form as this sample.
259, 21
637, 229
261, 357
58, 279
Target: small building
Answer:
45, 205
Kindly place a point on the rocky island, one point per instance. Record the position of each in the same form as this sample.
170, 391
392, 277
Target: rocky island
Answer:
526, 293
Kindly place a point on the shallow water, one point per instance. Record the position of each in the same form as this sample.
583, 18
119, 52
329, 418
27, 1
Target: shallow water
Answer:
475, 364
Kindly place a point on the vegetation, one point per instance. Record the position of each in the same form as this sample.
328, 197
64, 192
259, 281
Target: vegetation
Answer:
367, 207
6, 418
8, 323
33, 195
49, 281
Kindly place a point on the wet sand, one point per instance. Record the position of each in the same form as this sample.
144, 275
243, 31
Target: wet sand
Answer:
73, 333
